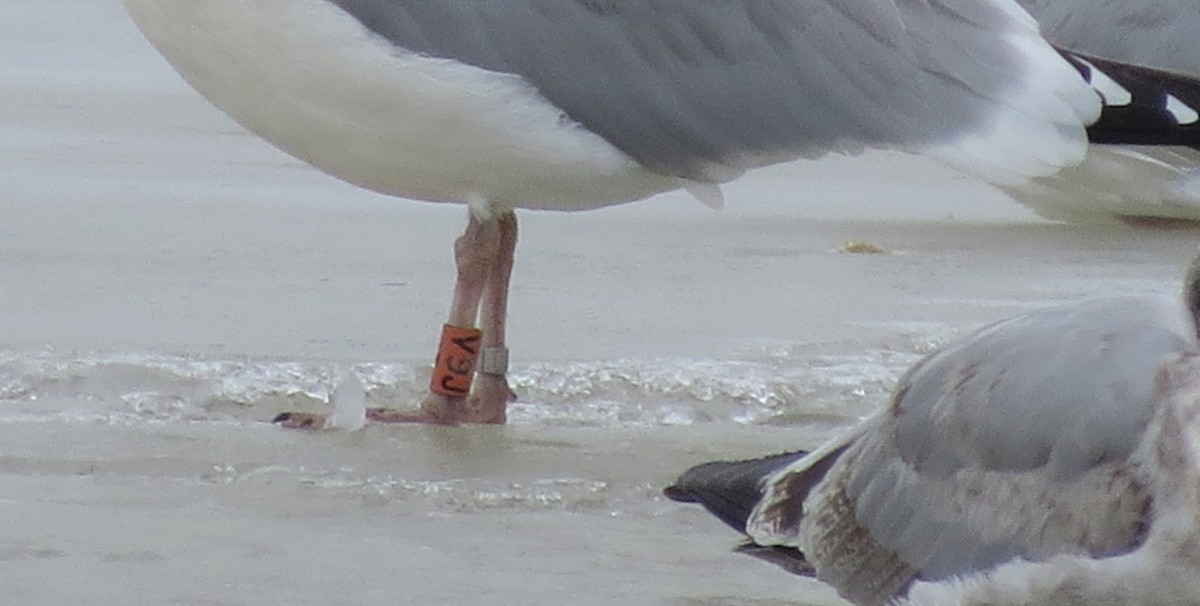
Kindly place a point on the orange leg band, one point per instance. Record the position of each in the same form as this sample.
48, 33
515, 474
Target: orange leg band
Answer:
455, 364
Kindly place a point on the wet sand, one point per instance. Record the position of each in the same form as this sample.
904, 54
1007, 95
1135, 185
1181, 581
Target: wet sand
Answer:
170, 282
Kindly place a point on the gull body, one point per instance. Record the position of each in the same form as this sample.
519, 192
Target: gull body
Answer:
312, 80
1046, 459
576, 104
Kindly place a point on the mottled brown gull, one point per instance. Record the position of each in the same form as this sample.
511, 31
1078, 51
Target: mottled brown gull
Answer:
1050, 458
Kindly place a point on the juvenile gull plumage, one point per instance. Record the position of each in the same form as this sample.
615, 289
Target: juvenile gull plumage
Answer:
576, 104
1028, 462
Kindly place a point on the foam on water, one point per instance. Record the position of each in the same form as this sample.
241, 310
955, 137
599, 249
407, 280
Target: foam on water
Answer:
446, 495
782, 387
575, 433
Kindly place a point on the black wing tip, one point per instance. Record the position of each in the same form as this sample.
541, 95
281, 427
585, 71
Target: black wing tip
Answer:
729, 490
787, 558
705, 474
1151, 113
679, 495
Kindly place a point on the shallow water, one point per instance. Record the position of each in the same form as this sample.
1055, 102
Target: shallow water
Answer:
169, 283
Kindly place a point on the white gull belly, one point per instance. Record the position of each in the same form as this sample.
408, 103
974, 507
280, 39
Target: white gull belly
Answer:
314, 82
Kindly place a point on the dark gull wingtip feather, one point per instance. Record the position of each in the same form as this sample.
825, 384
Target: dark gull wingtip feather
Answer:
1142, 105
728, 489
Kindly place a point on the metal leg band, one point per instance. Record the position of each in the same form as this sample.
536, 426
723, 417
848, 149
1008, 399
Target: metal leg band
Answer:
493, 361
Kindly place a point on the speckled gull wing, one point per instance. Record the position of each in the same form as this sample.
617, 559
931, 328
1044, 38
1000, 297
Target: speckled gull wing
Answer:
703, 90
1162, 570
1026, 427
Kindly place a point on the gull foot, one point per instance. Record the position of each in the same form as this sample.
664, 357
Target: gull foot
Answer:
487, 405
435, 410
488, 402
301, 420
312, 421
402, 415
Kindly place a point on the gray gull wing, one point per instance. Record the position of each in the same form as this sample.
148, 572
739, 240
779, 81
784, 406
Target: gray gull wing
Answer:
1124, 182
1012, 442
704, 89
1162, 570
1153, 33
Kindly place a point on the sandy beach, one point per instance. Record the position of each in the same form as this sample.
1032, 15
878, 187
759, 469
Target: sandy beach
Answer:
169, 283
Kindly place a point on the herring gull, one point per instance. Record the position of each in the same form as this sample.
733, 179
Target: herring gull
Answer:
1050, 458
570, 105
